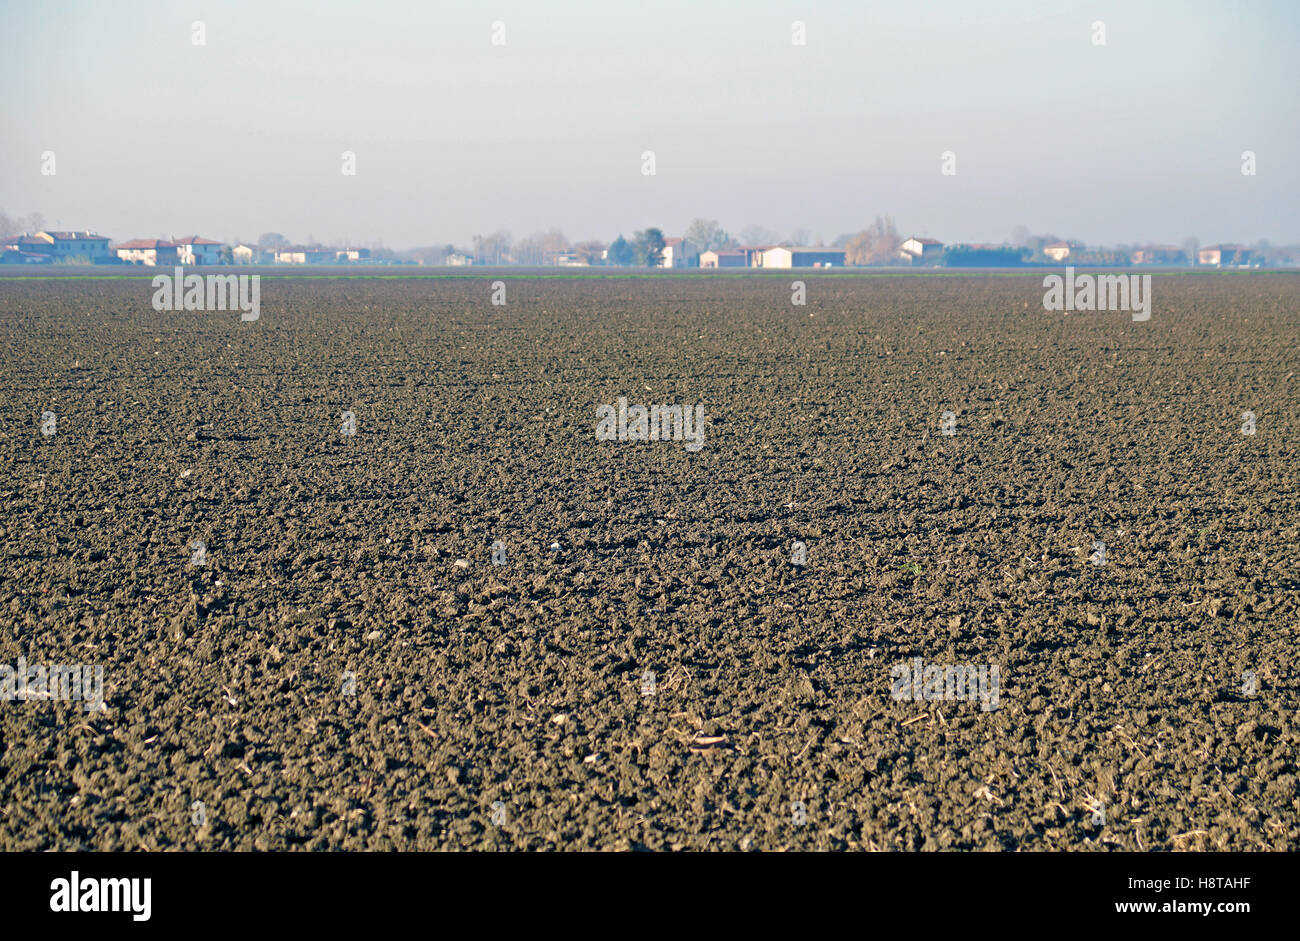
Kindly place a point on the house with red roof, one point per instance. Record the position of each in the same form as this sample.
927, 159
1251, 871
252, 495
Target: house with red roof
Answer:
187, 251
197, 251
147, 252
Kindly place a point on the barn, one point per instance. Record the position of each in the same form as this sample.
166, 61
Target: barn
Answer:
724, 259
1221, 255
782, 257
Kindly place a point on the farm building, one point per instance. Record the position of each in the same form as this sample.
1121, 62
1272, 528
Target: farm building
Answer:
754, 254
18, 250
305, 255
679, 253
565, 259
919, 251
148, 252
1221, 255
1159, 255
352, 254
1059, 251
782, 257
15, 257
67, 245
246, 253
22, 249
723, 258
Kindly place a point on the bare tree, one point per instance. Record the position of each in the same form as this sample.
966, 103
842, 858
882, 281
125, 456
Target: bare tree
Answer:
21, 225
590, 251
758, 235
539, 248
492, 249
875, 245
554, 241
706, 235
528, 250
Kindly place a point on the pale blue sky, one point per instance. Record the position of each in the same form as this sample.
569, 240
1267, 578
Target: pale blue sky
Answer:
1139, 140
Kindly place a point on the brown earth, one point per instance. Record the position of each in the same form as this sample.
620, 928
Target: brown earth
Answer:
1124, 683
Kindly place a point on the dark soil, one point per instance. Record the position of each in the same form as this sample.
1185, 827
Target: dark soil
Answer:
1124, 721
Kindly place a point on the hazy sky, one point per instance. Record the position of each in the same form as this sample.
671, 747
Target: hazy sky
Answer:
1137, 140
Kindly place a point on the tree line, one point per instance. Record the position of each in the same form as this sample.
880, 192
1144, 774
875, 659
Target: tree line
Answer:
879, 243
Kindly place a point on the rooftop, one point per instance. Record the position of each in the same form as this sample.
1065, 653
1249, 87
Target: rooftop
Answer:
75, 236
145, 244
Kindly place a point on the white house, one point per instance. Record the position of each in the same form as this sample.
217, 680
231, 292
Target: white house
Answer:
305, 255
919, 250
196, 251
1059, 251
679, 253
149, 252
246, 253
187, 251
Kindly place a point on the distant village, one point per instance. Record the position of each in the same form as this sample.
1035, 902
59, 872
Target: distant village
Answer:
710, 249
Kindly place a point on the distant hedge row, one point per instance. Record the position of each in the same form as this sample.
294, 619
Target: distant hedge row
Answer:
964, 256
